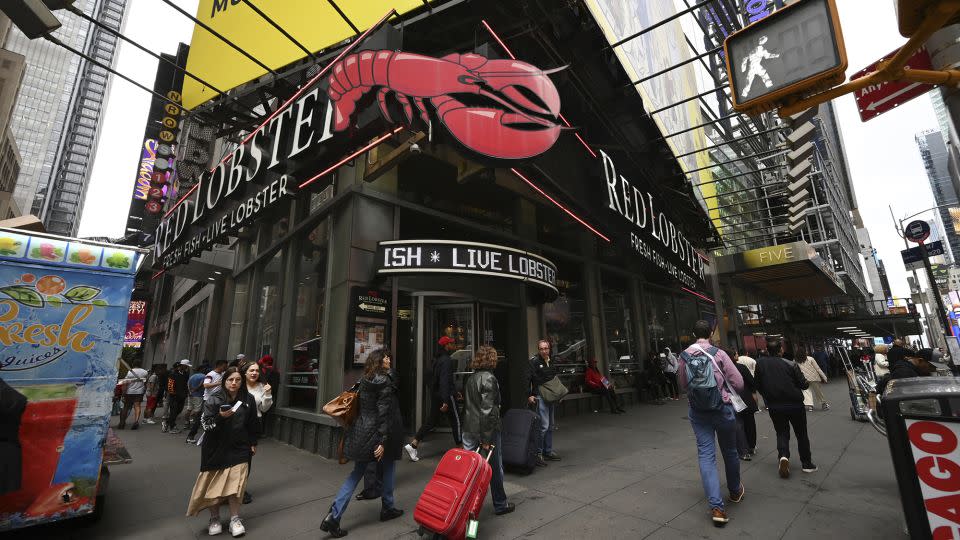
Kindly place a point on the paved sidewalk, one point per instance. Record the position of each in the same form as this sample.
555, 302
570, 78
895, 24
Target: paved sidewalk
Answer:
628, 476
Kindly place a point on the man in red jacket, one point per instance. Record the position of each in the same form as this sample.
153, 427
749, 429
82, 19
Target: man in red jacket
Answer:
597, 383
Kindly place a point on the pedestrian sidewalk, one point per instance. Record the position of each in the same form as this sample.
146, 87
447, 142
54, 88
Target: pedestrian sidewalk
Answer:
626, 476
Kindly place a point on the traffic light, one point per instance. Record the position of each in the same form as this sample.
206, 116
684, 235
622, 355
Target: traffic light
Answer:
795, 51
911, 13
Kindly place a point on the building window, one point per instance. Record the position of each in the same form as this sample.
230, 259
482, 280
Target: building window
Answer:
239, 314
619, 339
565, 323
267, 315
661, 321
311, 279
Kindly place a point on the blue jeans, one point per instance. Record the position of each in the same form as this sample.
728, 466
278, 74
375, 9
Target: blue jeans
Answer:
350, 485
723, 423
546, 417
471, 441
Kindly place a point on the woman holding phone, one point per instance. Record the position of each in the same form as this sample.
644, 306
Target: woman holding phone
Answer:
230, 432
376, 434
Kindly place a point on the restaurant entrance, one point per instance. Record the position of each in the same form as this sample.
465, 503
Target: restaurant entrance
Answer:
470, 323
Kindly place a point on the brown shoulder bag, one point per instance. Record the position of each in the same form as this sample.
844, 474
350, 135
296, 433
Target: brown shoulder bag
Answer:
344, 407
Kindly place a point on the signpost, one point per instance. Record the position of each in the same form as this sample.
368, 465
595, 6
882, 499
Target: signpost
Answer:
913, 258
795, 50
917, 231
877, 99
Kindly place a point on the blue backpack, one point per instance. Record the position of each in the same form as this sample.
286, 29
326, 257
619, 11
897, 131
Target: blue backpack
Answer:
702, 390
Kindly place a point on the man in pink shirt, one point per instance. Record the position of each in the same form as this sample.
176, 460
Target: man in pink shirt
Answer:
712, 416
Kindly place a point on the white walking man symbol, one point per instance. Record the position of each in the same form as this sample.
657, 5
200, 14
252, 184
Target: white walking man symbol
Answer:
753, 67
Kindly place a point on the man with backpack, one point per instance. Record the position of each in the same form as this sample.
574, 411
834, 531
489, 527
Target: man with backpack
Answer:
782, 384
710, 379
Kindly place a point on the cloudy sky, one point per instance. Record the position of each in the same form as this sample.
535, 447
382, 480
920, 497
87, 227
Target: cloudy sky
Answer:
159, 28
883, 156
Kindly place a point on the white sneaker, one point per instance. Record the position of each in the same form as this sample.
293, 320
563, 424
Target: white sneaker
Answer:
215, 527
412, 452
236, 527
149, 421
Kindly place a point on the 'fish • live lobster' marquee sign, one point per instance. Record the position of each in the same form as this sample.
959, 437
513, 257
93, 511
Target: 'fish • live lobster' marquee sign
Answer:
497, 109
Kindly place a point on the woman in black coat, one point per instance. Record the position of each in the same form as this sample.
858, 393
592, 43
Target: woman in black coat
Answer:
746, 423
230, 430
376, 434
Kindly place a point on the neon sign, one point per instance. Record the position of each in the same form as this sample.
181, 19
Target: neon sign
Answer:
147, 157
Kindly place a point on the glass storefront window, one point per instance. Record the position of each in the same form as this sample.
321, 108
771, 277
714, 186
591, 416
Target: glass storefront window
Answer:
661, 322
620, 343
268, 299
687, 316
566, 330
311, 280
238, 317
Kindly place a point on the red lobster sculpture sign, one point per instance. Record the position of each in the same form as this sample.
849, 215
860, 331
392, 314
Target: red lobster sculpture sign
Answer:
503, 109
498, 108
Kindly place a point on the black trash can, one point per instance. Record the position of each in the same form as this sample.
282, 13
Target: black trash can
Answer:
922, 418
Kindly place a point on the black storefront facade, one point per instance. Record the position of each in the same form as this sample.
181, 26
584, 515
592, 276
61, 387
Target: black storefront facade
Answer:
428, 231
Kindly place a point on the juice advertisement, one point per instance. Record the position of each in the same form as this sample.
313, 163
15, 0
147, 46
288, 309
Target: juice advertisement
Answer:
63, 316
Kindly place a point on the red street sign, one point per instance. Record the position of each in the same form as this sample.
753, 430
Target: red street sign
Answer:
875, 100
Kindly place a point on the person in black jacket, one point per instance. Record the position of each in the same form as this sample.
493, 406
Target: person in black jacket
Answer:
230, 430
896, 353
376, 434
542, 371
177, 393
781, 384
914, 364
746, 423
442, 398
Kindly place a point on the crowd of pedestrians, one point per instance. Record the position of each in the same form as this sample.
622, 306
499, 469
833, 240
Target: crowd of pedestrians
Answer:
222, 408
725, 389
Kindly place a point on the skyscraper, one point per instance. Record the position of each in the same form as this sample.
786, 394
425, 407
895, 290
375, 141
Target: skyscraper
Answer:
59, 113
933, 151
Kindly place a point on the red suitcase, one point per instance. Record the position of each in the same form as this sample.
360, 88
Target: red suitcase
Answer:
454, 494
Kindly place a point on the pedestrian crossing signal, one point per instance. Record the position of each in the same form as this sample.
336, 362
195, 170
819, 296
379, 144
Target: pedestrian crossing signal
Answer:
785, 56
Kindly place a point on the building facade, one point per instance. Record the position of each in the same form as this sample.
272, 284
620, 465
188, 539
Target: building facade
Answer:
59, 112
936, 161
425, 235
12, 66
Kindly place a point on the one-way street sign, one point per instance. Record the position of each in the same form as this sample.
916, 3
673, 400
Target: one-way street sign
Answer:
875, 100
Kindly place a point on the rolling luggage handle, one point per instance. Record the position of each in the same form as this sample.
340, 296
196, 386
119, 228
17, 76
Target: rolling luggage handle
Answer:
489, 452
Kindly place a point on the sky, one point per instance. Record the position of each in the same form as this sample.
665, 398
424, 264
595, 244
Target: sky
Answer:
118, 152
882, 154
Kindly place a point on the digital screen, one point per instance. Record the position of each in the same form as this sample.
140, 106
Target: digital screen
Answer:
788, 47
136, 318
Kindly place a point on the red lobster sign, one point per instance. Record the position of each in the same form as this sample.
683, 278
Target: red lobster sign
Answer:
499, 108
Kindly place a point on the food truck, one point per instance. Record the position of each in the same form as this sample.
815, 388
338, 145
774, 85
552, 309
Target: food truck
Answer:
63, 316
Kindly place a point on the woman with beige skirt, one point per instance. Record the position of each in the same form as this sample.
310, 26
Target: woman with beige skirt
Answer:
229, 440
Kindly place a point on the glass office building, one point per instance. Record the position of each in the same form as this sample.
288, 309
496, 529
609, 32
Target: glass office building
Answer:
59, 112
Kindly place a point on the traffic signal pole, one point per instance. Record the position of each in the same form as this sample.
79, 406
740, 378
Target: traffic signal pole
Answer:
893, 69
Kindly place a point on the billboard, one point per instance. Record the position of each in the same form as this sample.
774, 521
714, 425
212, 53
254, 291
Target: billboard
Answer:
163, 123
315, 24
136, 319
654, 52
63, 311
